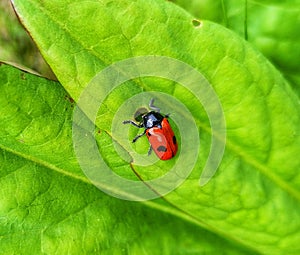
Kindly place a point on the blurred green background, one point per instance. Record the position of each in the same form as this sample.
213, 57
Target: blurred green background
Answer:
16, 46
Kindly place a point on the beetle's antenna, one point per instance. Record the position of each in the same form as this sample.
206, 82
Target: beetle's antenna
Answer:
151, 106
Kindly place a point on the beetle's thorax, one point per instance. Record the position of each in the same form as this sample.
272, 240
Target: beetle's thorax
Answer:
152, 119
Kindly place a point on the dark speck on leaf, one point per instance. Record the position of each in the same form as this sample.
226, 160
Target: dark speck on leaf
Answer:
196, 23
70, 99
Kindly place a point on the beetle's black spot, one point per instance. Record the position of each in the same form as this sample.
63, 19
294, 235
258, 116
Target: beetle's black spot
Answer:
174, 139
162, 148
149, 134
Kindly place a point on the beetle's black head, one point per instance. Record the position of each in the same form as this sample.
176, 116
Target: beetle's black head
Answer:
152, 119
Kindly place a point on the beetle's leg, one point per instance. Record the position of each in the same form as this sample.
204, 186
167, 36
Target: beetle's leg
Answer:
138, 136
150, 150
136, 125
132, 123
151, 106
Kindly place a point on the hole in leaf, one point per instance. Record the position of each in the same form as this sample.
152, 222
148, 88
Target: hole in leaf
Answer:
139, 113
196, 23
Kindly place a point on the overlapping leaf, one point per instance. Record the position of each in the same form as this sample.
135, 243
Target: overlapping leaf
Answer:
271, 26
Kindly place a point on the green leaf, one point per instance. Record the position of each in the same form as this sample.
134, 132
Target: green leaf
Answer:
255, 193
271, 26
45, 196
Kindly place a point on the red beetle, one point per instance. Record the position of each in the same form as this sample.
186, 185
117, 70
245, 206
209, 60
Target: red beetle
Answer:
158, 131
